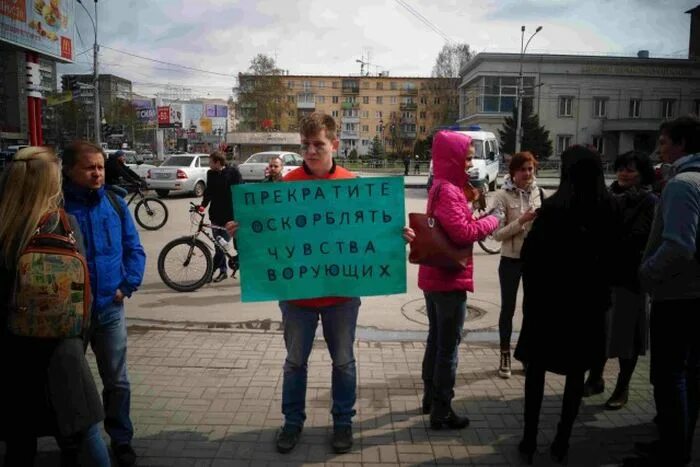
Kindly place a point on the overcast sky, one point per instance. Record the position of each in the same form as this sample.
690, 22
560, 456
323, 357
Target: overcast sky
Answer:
328, 36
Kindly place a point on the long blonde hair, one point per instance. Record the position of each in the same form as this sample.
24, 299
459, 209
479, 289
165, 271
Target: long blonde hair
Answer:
29, 188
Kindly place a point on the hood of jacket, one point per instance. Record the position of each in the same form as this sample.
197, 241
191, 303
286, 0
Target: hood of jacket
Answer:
449, 154
80, 194
686, 162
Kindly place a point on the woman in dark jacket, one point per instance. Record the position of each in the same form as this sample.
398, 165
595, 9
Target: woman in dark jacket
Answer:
627, 322
566, 291
47, 387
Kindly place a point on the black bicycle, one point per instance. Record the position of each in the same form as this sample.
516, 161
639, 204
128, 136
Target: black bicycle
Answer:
185, 264
149, 212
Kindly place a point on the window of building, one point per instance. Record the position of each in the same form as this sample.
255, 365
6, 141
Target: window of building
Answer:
499, 93
422, 129
599, 144
436, 101
380, 100
392, 115
307, 86
600, 107
394, 86
565, 106
365, 142
365, 128
378, 114
350, 99
334, 114
423, 115
563, 142
334, 84
290, 84
667, 108
380, 85
321, 84
365, 114
635, 108
423, 100
291, 114
290, 99
335, 99
365, 99
393, 99
378, 129
321, 99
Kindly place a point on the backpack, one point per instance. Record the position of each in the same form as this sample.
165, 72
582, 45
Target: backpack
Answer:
114, 201
51, 291
697, 232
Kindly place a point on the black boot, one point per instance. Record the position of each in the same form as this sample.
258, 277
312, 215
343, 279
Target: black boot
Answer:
442, 416
619, 397
560, 446
593, 386
427, 403
527, 449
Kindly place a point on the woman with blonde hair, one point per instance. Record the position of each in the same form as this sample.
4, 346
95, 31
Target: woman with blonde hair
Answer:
52, 392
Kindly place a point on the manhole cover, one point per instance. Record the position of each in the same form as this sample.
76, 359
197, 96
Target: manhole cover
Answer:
415, 311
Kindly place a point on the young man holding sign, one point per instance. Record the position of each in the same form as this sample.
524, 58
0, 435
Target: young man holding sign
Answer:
338, 315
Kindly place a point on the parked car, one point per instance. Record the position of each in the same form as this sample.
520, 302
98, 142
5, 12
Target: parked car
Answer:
253, 169
180, 172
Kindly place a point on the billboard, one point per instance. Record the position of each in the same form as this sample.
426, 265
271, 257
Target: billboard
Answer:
145, 110
212, 110
170, 116
44, 26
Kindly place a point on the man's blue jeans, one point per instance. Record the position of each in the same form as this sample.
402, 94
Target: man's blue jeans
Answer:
339, 323
108, 342
446, 313
675, 374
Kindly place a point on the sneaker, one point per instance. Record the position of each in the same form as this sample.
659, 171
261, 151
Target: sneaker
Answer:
287, 438
125, 455
222, 275
342, 439
504, 368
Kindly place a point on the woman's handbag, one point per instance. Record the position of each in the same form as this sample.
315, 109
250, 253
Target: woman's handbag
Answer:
432, 246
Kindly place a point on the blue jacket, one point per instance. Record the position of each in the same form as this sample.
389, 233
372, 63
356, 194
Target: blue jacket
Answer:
669, 270
115, 257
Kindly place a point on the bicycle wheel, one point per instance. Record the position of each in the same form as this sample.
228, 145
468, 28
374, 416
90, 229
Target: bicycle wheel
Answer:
151, 213
185, 264
490, 245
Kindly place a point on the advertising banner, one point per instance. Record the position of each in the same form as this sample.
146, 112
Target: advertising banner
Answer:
44, 26
164, 117
325, 238
145, 110
205, 125
170, 116
57, 99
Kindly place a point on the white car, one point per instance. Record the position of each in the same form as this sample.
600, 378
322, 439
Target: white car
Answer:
141, 169
180, 172
486, 156
253, 169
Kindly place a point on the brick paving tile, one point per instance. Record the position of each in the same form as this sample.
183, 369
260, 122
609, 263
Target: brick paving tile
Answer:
214, 399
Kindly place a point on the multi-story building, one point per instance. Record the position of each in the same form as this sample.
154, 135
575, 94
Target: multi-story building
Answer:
615, 104
397, 110
112, 89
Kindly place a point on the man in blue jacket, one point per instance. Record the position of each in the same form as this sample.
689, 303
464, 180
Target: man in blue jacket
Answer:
670, 272
116, 262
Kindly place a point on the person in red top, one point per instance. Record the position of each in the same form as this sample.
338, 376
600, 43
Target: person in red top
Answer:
338, 315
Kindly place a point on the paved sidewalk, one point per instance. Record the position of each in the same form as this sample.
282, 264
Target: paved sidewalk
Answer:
212, 398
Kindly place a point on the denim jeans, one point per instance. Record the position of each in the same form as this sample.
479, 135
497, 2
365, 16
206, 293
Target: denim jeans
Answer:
675, 374
446, 313
510, 270
219, 257
339, 323
108, 342
86, 448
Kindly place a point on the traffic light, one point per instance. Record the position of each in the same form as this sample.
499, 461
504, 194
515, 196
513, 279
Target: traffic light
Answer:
106, 129
70, 83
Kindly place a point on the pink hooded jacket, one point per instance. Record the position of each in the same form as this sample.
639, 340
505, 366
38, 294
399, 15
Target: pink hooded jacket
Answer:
452, 212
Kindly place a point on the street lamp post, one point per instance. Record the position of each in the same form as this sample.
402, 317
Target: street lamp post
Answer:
518, 128
95, 75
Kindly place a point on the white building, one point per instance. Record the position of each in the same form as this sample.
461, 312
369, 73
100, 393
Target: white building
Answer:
613, 103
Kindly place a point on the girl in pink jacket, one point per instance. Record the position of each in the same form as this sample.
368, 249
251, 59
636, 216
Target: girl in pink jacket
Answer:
446, 290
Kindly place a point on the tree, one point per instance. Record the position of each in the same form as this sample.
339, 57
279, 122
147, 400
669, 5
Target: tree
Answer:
451, 59
376, 151
534, 136
353, 155
444, 92
262, 96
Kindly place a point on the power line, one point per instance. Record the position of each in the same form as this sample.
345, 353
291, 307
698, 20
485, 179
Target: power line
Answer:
167, 63
424, 20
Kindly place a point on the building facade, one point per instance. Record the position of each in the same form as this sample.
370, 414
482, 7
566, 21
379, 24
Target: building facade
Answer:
615, 104
397, 110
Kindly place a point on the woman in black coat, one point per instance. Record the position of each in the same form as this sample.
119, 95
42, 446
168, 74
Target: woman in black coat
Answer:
566, 291
627, 323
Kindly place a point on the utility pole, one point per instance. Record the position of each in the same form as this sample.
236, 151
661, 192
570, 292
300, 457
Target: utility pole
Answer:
96, 84
518, 128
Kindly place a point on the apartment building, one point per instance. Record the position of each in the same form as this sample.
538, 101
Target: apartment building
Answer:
398, 110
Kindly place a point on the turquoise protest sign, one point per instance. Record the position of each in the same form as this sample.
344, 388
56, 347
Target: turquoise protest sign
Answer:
321, 238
